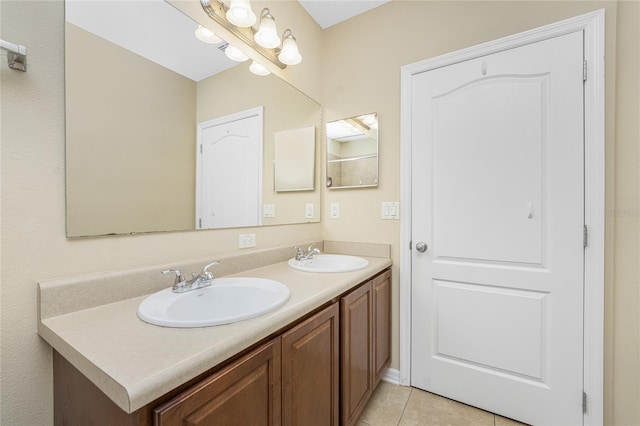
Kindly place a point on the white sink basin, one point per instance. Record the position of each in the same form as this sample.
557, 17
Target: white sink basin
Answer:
329, 263
227, 300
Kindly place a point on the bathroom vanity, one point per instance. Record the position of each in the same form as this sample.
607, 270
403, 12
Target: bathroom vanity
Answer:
315, 360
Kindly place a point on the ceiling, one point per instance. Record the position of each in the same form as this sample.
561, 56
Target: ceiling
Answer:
152, 29
159, 32
330, 12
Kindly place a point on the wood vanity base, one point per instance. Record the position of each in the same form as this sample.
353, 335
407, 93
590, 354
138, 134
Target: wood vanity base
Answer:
329, 360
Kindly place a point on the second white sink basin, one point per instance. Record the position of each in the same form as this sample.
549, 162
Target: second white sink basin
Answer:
227, 300
329, 263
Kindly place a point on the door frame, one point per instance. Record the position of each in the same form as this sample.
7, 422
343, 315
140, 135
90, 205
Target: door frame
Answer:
594, 167
200, 128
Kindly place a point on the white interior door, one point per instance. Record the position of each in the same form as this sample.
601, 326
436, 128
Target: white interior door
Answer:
229, 182
498, 198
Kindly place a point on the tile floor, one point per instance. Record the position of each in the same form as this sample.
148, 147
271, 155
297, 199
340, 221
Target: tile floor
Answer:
392, 405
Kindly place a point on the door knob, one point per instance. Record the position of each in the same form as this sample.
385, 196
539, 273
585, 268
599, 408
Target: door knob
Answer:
421, 247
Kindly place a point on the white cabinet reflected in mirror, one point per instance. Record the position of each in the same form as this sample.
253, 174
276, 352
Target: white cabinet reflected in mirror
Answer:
294, 161
352, 152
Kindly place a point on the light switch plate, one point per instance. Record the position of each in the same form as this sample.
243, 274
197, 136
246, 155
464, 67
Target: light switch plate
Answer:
247, 240
335, 210
269, 210
390, 210
309, 210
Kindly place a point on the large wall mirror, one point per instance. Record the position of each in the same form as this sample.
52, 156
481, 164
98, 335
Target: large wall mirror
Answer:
145, 100
352, 152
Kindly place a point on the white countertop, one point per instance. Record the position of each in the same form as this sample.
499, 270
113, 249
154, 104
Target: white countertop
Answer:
134, 363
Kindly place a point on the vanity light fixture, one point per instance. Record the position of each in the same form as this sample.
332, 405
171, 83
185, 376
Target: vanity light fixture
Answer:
289, 53
371, 120
206, 36
258, 69
264, 40
240, 13
235, 54
267, 35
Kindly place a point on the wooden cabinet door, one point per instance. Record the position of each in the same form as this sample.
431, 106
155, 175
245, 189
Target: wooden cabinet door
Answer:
310, 371
356, 355
381, 325
246, 392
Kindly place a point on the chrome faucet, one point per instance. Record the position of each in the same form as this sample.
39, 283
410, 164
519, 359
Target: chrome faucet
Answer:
306, 255
203, 279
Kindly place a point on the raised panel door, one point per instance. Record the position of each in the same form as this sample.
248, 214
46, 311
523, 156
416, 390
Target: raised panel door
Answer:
498, 197
356, 353
310, 371
246, 392
381, 288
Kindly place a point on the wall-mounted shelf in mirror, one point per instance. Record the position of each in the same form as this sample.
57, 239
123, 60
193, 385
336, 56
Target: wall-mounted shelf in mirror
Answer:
352, 152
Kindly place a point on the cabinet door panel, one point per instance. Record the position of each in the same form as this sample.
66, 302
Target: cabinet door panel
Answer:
356, 353
310, 371
382, 325
247, 392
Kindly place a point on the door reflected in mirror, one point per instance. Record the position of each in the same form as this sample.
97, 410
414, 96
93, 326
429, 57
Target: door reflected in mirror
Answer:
352, 152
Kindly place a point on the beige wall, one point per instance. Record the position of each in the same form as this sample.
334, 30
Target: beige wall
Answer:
33, 240
361, 73
131, 141
623, 288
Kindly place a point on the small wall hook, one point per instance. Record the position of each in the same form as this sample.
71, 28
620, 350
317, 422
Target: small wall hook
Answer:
16, 55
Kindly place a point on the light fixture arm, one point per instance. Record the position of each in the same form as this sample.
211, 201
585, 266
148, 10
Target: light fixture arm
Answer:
265, 13
287, 34
216, 10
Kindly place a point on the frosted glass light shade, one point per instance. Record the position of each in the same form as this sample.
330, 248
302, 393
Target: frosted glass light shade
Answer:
258, 69
267, 34
240, 13
205, 35
289, 54
235, 54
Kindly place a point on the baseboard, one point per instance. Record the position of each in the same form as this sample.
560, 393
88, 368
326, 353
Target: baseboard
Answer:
391, 376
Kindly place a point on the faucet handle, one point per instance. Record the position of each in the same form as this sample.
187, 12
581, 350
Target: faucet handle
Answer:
179, 277
205, 271
311, 250
299, 253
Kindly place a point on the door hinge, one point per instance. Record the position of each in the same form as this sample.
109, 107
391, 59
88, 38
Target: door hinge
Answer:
585, 236
410, 245
200, 223
584, 403
200, 149
584, 70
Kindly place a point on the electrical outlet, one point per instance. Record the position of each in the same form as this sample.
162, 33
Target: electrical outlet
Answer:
309, 211
335, 210
247, 240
